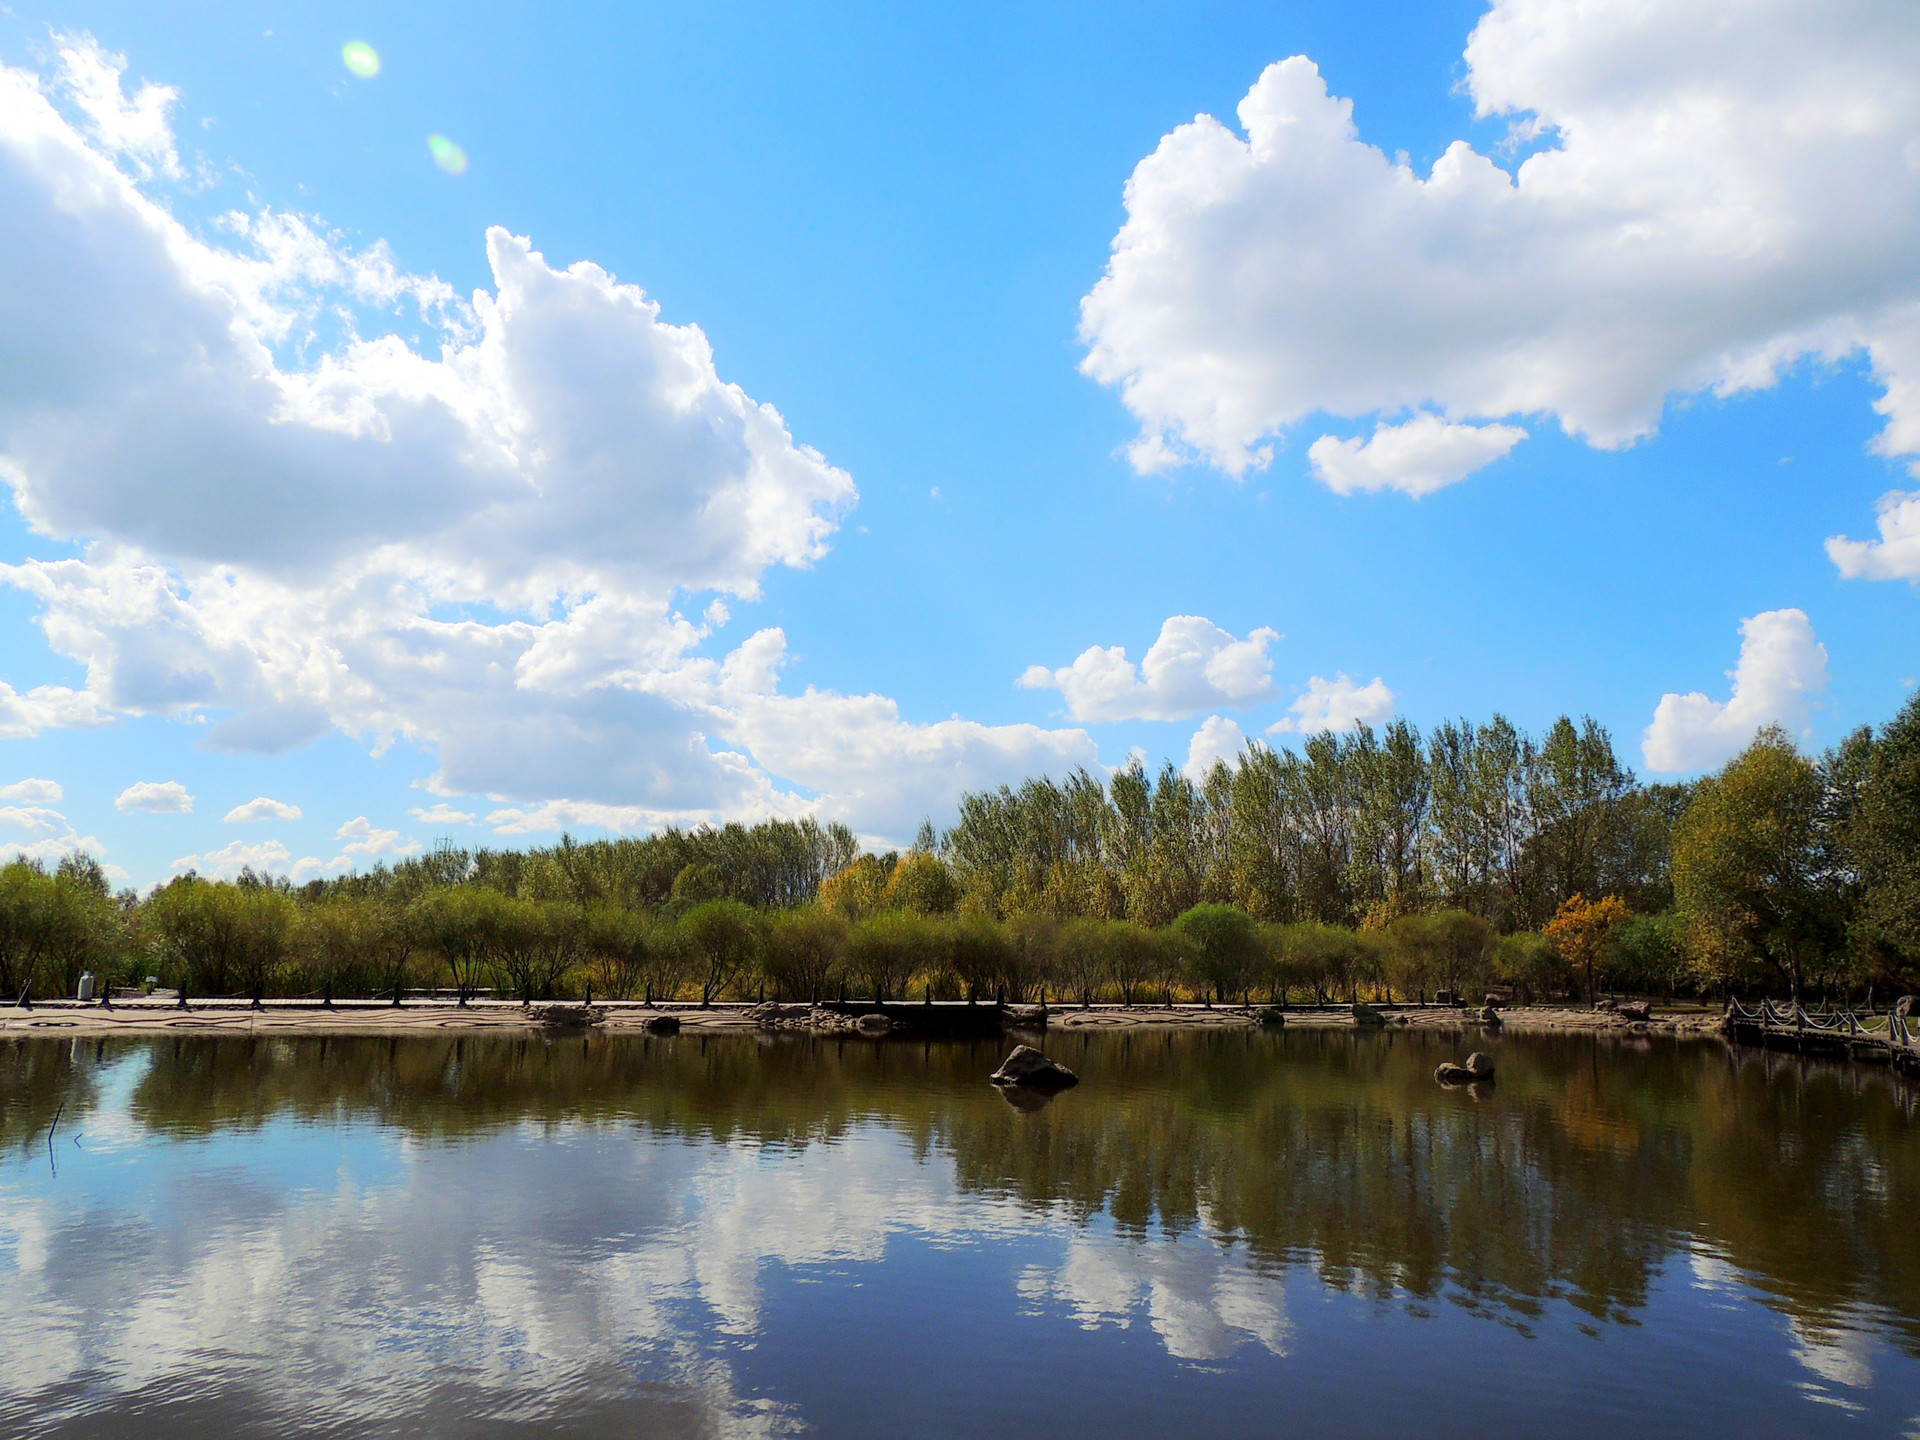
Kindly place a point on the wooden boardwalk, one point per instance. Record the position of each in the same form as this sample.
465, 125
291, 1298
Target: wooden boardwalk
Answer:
1889, 1039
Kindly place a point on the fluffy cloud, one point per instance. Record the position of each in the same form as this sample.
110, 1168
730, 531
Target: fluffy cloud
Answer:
1341, 703
1193, 666
292, 521
1782, 668
1417, 458
1895, 555
366, 840
156, 797
38, 792
44, 833
441, 814
1218, 739
45, 707
262, 809
269, 857
1711, 194
135, 128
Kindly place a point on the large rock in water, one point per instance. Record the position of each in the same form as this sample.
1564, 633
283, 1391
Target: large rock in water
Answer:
1364, 1014
1027, 1066
663, 1025
1478, 1067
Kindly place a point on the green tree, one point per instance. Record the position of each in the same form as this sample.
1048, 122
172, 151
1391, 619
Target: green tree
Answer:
1751, 873
805, 952
1223, 946
1878, 778
721, 940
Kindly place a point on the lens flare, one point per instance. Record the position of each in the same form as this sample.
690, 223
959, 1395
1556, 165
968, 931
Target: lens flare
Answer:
361, 58
447, 155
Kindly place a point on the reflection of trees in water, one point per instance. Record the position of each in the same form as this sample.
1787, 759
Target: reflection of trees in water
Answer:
1578, 1177
40, 1079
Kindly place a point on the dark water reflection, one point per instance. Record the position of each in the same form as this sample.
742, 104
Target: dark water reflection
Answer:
1213, 1234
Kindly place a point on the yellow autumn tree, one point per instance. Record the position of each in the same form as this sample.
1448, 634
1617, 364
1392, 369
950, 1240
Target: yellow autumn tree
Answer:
1582, 930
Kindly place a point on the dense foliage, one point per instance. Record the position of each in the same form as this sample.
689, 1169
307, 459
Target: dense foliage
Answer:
1366, 863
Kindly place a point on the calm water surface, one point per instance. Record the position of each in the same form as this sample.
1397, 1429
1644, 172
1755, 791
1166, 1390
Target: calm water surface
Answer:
1242, 1235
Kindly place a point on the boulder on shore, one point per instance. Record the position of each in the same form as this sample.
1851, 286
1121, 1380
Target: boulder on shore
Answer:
1490, 1016
873, 1024
664, 1025
1027, 1066
1271, 1017
1634, 1010
1478, 1067
1365, 1014
567, 1017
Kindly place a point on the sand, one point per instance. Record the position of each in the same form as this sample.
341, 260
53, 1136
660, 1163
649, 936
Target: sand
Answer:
50, 1019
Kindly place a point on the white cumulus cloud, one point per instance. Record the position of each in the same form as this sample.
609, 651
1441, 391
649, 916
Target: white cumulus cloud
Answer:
291, 520
1416, 458
1895, 555
1193, 666
1341, 703
156, 797
441, 814
1782, 668
45, 835
269, 857
262, 808
37, 792
366, 840
1218, 739
1708, 192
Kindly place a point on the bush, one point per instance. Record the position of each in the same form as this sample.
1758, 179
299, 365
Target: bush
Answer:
1223, 949
803, 953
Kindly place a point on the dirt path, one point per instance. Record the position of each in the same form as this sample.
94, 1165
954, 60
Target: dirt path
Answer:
292, 1018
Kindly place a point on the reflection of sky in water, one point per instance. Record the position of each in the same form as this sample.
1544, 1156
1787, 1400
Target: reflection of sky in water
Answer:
345, 1277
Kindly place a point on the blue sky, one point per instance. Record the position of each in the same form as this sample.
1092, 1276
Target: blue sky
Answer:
885, 223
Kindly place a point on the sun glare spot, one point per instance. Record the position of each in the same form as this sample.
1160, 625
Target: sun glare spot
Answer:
447, 155
361, 58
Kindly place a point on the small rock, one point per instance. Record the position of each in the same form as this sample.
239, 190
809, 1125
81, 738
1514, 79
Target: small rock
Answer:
1271, 1017
772, 1015
1634, 1010
1364, 1014
664, 1025
1478, 1067
874, 1024
1027, 1066
1490, 1016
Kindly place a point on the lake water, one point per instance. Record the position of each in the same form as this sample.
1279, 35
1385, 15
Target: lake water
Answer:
1219, 1235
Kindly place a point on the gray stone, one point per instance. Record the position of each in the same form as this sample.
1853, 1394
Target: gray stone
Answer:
1027, 1066
1477, 1067
567, 1017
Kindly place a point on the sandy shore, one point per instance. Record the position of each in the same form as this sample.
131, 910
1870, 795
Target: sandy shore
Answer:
236, 1017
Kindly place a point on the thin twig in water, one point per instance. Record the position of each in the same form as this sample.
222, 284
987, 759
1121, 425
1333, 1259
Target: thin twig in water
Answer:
59, 1110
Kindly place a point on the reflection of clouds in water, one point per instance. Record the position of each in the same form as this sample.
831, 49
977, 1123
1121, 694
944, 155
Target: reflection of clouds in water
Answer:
588, 1257
1203, 1300
813, 1208
1839, 1354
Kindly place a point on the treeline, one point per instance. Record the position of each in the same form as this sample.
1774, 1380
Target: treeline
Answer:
1387, 863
